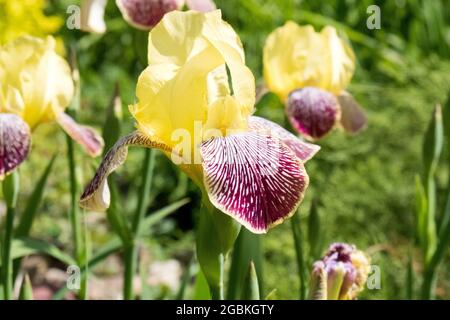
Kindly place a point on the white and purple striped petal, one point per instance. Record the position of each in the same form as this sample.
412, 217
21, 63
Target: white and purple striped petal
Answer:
14, 142
96, 196
304, 150
313, 112
254, 178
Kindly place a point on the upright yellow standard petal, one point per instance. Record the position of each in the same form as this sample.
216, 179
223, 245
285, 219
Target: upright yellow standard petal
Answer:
297, 56
187, 83
35, 82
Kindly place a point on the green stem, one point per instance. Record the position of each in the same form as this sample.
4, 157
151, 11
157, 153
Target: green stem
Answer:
296, 232
10, 192
217, 292
131, 249
74, 216
6, 262
429, 284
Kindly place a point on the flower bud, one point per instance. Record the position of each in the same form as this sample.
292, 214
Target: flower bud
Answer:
340, 274
313, 112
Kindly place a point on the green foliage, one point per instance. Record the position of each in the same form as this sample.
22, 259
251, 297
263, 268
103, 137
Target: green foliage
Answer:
365, 183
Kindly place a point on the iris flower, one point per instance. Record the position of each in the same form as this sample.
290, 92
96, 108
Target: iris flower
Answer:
145, 14
18, 18
341, 274
310, 71
195, 103
35, 87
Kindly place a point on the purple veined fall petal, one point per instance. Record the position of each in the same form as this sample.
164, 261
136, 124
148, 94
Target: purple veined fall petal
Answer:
201, 5
145, 14
254, 178
313, 112
303, 150
91, 142
15, 141
353, 118
96, 196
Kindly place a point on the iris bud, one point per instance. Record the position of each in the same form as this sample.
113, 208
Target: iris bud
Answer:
340, 274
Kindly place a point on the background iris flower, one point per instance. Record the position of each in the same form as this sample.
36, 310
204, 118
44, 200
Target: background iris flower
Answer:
35, 87
145, 14
310, 71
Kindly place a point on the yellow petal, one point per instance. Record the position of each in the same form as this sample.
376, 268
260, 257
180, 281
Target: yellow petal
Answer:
186, 80
297, 56
35, 80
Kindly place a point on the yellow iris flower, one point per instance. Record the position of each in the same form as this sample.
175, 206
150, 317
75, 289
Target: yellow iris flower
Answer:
297, 56
23, 17
309, 71
198, 88
35, 87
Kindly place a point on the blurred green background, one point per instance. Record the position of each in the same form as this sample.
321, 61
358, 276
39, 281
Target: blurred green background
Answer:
364, 183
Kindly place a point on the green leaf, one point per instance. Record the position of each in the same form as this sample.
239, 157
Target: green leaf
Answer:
116, 217
432, 149
445, 221
11, 189
446, 121
250, 290
216, 233
314, 232
201, 288
112, 125
272, 295
298, 243
140, 45
160, 214
25, 246
181, 294
34, 202
113, 246
410, 278
246, 248
433, 143
26, 290
421, 213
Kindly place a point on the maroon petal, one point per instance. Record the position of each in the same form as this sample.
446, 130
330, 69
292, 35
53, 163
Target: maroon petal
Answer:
353, 117
14, 142
145, 14
313, 112
201, 5
304, 150
254, 178
85, 136
96, 196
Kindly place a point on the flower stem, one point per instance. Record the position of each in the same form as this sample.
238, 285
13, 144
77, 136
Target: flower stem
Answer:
217, 292
75, 218
131, 249
10, 192
297, 234
429, 284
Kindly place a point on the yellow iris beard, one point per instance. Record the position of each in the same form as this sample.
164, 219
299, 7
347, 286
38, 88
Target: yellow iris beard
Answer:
187, 83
